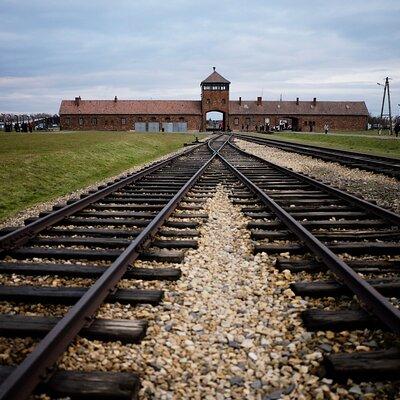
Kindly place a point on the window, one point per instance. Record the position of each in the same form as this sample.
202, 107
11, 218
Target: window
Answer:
153, 119
223, 101
94, 121
67, 120
80, 121
123, 121
181, 119
305, 123
167, 119
215, 87
236, 122
208, 101
140, 119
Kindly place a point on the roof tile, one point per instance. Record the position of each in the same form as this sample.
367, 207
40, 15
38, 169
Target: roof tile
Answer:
215, 77
172, 107
303, 108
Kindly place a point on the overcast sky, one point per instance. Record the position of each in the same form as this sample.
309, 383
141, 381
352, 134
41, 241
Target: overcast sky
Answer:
332, 50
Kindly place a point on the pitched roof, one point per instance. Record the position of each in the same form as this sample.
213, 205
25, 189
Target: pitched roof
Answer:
303, 108
170, 107
215, 77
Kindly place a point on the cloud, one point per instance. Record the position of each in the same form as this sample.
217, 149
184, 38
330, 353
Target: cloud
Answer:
154, 49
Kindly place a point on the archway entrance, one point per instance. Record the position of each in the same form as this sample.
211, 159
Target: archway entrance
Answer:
215, 121
288, 124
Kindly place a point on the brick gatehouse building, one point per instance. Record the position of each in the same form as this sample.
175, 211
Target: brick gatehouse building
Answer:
191, 115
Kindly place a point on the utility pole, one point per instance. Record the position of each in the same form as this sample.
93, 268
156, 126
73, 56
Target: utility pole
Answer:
386, 90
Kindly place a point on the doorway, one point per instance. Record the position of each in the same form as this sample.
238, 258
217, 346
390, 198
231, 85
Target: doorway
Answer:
215, 121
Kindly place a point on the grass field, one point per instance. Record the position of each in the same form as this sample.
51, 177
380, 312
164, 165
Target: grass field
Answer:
43, 166
365, 144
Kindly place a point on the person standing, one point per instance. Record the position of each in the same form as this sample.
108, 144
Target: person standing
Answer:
397, 129
326, 129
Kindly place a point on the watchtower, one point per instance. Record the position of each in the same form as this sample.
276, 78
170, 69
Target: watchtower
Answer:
215, 97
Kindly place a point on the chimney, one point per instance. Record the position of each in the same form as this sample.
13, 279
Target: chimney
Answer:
214, 69
314, 101
115, 99
240, 101
297, 101
77, 100
259, 100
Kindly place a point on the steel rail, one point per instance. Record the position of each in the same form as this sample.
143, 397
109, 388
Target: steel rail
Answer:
223, 144
370, 297
328, 151
39, 364
385, 162
21, 235
381, 212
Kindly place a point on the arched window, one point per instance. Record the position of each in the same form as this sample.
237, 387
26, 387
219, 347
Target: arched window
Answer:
140, 119
181, 119
153, 119
167, 119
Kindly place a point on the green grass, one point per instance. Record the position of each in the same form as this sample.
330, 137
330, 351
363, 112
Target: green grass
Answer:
354, 141
372, 132
40, 167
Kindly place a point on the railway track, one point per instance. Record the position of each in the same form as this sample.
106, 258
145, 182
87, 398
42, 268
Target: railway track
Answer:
378, 164
320, 228
153, 215
97, 237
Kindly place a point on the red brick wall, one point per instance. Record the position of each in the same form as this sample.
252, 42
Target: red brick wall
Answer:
196, 122
114, 122
215, 100
336, 123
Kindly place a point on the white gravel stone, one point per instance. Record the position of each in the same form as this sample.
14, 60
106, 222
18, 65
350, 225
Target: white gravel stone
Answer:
230, 328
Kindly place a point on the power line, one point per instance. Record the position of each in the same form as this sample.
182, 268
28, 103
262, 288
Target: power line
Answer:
386, 90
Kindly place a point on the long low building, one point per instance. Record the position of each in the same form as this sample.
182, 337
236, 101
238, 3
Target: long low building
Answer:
192, 115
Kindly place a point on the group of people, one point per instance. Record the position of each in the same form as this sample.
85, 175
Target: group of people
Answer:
23, 127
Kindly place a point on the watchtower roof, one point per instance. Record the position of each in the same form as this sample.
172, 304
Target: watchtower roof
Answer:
215, 77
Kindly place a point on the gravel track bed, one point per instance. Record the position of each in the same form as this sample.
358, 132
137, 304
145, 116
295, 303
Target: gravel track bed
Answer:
228, 329
35, 309
383, 189
45, 280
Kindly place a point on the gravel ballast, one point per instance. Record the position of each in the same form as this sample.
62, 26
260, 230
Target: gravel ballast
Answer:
381, 188
229, 329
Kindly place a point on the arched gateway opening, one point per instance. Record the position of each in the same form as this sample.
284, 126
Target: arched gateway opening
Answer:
215, 121
288, 124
